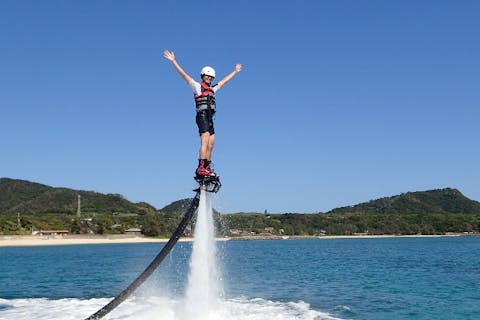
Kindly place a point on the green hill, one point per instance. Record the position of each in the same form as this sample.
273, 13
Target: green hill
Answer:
42, 207
425, 212
422, 202
177, 207
25, 197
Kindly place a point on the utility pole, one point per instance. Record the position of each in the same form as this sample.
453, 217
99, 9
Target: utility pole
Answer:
19, 226
79, 206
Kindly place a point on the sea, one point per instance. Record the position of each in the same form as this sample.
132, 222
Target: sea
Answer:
311, 279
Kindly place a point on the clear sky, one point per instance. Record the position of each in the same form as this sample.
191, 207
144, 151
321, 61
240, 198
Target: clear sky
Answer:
339, 102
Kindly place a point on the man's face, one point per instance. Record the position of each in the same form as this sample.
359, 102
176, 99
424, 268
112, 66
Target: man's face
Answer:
207, 79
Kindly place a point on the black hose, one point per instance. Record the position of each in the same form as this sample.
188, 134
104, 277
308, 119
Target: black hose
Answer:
153, 265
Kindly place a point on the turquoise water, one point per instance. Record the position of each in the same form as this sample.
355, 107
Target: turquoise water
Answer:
384, 278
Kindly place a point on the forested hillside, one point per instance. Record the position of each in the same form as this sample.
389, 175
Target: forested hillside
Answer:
27, 206
25, 197
432, 201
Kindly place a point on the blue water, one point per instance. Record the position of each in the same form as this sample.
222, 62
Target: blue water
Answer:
383, 278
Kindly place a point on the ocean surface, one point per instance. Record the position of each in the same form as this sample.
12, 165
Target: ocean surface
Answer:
381, 278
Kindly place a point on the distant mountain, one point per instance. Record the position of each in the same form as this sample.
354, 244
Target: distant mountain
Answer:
422, 202
424, 212
176, 207
25, 197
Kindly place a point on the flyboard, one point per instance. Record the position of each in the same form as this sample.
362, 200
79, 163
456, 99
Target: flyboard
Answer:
207, 184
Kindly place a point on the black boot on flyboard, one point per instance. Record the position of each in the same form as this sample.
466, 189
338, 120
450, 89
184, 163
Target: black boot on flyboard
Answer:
206, 177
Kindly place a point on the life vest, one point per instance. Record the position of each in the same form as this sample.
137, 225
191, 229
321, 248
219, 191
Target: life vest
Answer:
206, 99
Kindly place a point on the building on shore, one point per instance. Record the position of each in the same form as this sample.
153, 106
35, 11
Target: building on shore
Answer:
50, 233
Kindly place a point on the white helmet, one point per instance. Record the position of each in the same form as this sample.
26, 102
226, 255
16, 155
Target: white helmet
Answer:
209, 71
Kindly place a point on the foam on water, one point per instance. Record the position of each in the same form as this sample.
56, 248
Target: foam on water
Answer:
157, 308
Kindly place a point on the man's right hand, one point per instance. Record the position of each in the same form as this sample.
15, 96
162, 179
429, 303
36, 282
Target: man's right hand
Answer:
169, 55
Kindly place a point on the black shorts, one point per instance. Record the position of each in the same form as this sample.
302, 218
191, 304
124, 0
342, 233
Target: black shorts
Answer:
205, 122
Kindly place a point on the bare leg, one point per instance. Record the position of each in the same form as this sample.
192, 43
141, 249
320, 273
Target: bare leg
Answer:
205, 151
210, 145
207, 142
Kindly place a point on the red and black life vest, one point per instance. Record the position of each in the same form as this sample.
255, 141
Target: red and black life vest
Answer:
206, 99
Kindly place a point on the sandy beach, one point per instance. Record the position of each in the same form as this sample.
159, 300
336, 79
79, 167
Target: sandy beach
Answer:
20, 241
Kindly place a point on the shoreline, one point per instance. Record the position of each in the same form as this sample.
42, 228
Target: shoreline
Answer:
28, 241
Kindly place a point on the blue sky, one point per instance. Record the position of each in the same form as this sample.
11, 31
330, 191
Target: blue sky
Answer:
339, 102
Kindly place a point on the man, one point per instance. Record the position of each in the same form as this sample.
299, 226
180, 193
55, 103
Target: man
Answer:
204, 94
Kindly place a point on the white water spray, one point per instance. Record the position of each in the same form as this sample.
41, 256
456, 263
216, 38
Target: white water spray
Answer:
202, 295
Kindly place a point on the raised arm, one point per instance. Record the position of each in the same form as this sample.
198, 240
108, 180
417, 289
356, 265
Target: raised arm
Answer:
169, 55
222, 82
